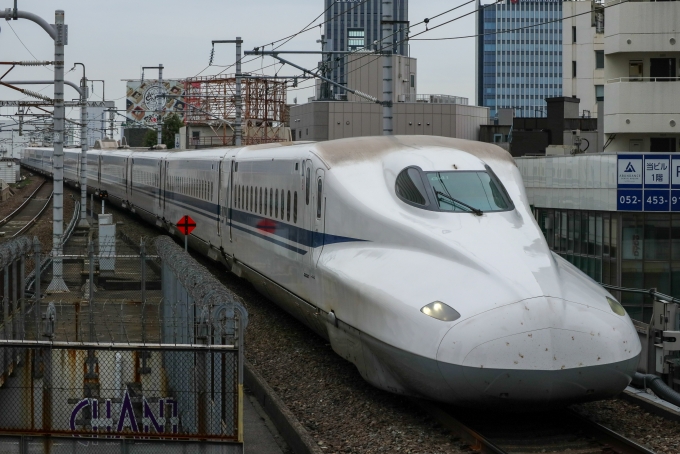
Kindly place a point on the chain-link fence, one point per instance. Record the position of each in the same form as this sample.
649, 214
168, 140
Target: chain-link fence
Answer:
143, 346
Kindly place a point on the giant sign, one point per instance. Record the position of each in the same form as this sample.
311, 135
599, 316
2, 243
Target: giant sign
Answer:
648, 182
145, 104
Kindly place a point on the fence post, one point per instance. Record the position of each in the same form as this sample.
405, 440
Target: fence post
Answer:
22, 297
38, 274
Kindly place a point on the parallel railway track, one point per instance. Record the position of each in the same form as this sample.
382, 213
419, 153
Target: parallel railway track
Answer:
557, 431
21, 219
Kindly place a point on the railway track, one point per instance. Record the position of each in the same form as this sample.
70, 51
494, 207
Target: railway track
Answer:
21, 219
559, 431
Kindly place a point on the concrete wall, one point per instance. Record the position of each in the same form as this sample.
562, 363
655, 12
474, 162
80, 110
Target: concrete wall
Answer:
365, 73
336, 120
582, 182
638, 110
583, 53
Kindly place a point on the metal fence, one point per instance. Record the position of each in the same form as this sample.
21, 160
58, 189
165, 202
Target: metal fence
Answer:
145, 348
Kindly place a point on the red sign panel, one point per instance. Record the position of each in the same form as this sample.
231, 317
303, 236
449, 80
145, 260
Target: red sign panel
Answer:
186, 225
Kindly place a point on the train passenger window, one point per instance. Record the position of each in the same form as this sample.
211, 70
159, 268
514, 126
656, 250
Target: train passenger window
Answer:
283, 203
288, 208
319, 193
271, 202
295, 207
276, 204
308, 182
410, 188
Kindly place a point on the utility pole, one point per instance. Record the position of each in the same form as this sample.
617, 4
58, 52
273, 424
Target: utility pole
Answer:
238, 126
388, 51
83, 150
59, 33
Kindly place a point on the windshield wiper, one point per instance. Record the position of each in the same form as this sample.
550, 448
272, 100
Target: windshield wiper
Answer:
474, 210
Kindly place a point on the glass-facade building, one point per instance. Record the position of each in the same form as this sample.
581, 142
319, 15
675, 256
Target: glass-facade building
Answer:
633, 250
519, 55
352, 25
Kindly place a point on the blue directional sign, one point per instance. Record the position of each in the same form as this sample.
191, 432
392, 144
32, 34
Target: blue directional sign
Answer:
629, 200
657, 200
657, 171
675, 200
629, 174
675, 172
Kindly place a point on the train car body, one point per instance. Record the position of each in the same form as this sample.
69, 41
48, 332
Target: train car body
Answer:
417, 257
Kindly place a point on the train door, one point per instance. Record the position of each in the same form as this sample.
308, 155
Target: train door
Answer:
221, 196
318, 217
164, 185
99, 172
129, 162
160, 185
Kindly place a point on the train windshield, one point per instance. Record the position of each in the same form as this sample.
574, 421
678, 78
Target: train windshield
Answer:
468, 191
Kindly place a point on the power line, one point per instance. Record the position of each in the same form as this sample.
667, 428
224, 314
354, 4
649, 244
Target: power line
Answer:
509, 30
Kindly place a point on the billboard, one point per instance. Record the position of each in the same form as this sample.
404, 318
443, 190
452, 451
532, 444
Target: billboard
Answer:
144, 105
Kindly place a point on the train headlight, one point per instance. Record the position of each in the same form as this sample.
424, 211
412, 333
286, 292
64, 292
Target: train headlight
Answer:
440, 311
616, 306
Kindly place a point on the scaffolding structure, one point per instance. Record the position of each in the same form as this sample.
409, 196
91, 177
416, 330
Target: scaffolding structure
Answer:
210, 101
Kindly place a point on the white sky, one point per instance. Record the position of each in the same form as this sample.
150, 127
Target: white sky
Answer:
116, 38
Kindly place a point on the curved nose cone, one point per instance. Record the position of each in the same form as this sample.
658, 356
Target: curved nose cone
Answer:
540, 351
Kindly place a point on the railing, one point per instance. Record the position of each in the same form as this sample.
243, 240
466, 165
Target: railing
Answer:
642, 79
434, 99
148, 351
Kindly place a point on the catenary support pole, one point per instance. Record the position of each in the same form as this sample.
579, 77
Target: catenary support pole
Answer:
238, 127
160, 102
388, 50
238, 99
83, 150
58, 285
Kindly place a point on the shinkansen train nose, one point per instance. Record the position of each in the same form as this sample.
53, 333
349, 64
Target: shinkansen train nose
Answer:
541, 350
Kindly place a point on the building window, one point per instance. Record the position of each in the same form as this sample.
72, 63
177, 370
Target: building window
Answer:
413, 81
356, 39
573, 34
599, 92
573, 69
599, 59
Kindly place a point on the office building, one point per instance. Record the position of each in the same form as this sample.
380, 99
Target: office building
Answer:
642, 93
353, 25
413, 113
519, 55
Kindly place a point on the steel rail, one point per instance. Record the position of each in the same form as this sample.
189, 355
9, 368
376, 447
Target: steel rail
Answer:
32, 221
613, 439
480, 443
18, 210
30, 279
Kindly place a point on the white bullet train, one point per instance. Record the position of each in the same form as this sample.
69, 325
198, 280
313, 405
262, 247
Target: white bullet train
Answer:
417, 257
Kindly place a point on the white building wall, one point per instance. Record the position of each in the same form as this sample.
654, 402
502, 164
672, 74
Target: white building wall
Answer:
588, 40
638, 107
582, 182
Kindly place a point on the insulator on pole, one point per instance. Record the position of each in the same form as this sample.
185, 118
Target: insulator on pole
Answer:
36, 95
34, 63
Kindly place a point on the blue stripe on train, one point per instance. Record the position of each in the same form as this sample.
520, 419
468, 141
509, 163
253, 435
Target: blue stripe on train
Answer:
274, 227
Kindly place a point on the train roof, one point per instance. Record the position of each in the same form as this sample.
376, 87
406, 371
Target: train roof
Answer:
341, 151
